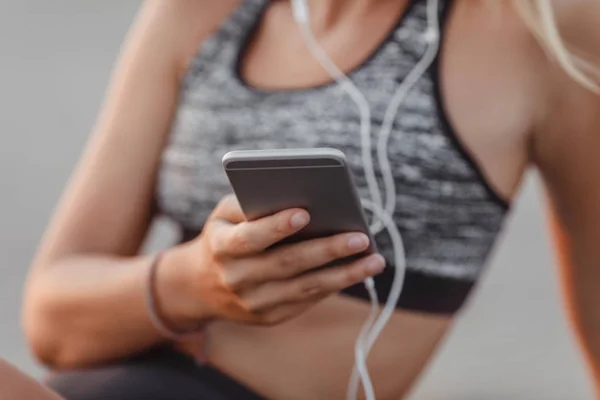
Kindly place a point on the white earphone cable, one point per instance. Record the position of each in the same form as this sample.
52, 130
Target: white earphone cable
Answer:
368, 163
433, 37
374, 324
390, 306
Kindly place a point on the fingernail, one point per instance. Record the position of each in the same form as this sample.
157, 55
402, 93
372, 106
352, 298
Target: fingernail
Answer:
358, 242
375, 264
299, 220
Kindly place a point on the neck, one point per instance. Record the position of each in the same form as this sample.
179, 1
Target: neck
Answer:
326, 13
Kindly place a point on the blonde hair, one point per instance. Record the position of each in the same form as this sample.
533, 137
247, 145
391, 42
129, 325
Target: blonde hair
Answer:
540, 18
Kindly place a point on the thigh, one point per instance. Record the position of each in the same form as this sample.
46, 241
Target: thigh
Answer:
159, 375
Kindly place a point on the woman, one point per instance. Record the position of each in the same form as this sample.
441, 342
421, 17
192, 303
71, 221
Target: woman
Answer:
199, 78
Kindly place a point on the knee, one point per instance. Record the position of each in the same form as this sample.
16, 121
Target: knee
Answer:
156, 375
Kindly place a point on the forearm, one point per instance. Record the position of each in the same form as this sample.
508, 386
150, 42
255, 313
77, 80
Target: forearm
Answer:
15, 386
87, 310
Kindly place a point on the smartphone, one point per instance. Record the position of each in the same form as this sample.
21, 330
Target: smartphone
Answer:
317, 180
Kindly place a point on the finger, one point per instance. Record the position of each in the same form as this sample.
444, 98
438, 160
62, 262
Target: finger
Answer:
283, 313
332, 280
229, 210
291, 260
249, 238
315, 284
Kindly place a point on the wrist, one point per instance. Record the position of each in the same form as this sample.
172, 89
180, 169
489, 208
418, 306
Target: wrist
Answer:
177, 302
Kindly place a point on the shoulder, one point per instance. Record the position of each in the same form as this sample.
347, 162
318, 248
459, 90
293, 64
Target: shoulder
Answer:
579, 23
180, 26
577, 30
570, 125
197, 16
578, 27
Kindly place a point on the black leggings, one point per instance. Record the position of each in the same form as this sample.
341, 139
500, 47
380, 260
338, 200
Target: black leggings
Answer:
161, 374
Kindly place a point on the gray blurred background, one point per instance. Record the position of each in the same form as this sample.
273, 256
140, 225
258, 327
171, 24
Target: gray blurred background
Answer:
511, 342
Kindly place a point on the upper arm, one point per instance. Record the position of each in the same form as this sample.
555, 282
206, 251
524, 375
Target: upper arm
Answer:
567, 153
566, 149
566, 143
107, 205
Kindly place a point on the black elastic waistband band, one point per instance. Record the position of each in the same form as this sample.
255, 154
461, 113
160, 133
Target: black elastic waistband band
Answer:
421, 292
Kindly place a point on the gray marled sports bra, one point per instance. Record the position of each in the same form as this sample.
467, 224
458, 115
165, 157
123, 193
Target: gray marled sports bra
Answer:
448, 215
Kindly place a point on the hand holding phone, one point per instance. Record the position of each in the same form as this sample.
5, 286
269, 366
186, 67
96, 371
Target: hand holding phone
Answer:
233, 269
